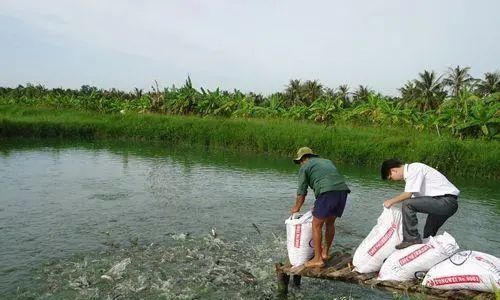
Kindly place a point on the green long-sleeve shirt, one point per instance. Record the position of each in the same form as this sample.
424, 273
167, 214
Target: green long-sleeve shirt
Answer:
321, 175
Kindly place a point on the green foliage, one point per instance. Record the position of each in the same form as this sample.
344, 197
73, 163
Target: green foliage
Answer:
489, 85
472, 111
483, 119
322, 110
362, 145
458, 79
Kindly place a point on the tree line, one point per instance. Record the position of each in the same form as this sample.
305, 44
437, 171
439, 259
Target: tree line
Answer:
453, 103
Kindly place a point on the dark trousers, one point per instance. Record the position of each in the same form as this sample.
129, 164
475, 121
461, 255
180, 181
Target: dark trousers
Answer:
438, 208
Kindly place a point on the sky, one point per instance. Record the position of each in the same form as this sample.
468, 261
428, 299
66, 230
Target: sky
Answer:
253, 45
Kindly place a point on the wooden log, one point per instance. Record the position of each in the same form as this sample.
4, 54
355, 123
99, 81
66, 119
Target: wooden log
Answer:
282, 279
296, 280
367, 276
342, 262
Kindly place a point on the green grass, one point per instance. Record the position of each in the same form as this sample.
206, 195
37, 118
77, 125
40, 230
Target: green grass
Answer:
346, 144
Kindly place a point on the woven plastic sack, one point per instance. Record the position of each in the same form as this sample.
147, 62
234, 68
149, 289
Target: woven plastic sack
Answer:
380, 242
299, 238
472, 270
407, 264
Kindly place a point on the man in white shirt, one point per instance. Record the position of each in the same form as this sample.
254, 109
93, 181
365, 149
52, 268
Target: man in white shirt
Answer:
426, 191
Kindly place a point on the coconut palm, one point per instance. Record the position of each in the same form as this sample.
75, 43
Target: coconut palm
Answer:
408, 92
490, 84
311, 90
293, 92
328, 92
344, 93
429, 91
458, 78
361, 94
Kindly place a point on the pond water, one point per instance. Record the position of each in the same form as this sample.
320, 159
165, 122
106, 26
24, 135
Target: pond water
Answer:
70, 211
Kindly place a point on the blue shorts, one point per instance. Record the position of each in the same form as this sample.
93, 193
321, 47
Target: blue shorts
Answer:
329, 204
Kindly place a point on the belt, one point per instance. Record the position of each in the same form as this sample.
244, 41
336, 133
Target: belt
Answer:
450, 195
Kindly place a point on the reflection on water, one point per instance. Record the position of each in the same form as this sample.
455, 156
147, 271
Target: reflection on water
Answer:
69, 212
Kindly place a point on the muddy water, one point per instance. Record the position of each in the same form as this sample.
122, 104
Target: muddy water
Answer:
71, 211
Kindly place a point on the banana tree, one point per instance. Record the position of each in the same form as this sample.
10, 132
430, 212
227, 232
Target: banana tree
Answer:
183, 100
484, 119
322, 110
246, 108
210, 101
371, 110
297, 112
273, 106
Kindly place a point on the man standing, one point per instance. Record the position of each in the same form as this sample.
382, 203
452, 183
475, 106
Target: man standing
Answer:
330, 191
426, 191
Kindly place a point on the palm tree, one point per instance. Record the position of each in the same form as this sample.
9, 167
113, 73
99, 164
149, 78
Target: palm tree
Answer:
361, 94
328, 93
293, 93
343, 92
408, 91
311, 90
457, 79
490, 84
429, 90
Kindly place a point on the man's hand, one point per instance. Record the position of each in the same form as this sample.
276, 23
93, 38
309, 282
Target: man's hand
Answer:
401, 197
388, 203
298, 203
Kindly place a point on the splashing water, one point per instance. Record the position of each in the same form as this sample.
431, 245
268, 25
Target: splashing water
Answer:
192, 268
189, 268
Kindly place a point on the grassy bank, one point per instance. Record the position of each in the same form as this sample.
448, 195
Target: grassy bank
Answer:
354, 145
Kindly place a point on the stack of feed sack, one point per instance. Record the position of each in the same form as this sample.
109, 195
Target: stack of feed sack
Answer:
406, 264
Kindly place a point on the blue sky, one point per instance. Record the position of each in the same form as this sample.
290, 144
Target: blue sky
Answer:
249, 45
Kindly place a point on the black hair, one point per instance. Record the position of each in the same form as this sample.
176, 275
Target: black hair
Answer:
387, 165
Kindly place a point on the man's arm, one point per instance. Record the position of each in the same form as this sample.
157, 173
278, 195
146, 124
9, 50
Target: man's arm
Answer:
298, 203
401, 197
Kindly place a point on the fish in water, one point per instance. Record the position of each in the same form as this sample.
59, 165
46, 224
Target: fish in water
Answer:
256, 228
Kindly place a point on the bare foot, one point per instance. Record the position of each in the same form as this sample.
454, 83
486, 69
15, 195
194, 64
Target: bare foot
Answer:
314, 263
324, 255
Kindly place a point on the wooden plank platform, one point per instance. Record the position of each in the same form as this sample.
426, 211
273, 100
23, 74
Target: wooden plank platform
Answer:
339, 267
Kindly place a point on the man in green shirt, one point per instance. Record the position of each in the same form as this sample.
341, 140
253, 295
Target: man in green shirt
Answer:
330, 191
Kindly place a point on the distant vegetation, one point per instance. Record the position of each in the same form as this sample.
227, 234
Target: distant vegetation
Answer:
453, 104
357, 145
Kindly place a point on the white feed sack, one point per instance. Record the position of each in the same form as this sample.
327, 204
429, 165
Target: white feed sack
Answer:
472, 270
299, 239
405, 264
380, 242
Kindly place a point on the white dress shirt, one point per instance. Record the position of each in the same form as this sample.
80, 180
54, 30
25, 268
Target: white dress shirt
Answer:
422, 180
